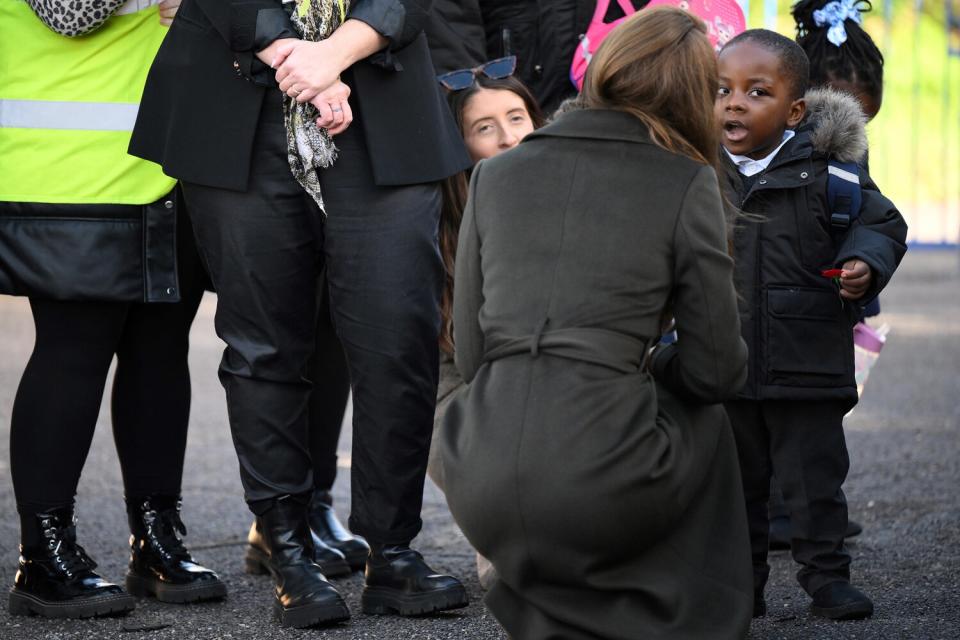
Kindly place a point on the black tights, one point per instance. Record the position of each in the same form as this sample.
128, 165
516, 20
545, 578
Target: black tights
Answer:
57, 403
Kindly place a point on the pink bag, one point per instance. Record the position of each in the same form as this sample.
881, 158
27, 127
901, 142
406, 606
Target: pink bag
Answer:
595, 34
724, 18
867, 343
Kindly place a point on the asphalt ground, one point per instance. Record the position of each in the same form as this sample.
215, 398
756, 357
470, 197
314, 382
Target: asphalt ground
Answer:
903, 487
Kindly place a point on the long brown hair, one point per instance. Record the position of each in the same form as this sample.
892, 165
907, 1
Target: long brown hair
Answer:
454, 191
659, 66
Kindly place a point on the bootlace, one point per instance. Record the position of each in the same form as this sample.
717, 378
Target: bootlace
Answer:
68, 556
162, 529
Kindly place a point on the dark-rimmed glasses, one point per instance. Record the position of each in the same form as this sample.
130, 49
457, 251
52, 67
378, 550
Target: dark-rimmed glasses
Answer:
463, 78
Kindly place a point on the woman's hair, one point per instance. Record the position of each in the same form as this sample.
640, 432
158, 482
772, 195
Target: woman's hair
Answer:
857, 60
454, 190
659, 66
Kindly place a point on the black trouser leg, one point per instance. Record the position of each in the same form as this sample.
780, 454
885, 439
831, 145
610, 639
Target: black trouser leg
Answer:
777, 508
261, 249
58, 400
331, 387
810, 460
753, 452
385, 276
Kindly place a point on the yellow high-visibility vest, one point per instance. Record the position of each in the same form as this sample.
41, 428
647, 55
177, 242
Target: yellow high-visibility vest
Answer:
67, 106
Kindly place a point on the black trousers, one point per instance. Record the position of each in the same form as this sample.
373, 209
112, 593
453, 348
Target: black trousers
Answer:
328, 402
264, 249
57, 403
802, 444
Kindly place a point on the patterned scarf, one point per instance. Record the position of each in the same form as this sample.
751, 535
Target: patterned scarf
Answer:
310, 148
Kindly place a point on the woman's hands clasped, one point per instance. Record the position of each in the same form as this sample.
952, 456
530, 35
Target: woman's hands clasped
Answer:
310, 72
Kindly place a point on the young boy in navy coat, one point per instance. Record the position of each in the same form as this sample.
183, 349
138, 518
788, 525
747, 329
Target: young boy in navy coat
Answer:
801, 282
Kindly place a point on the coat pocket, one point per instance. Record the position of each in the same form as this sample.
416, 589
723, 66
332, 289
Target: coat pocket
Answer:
806, 334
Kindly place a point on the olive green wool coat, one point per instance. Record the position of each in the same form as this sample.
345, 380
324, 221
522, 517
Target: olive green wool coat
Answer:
608, 498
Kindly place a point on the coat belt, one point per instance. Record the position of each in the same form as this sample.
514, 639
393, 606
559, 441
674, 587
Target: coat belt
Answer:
602, 347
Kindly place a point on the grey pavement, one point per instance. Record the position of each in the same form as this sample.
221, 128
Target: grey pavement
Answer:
903, 487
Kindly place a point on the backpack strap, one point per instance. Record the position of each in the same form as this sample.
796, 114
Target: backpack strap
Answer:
843, 194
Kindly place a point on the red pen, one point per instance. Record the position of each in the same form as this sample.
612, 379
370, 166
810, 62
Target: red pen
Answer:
831, 273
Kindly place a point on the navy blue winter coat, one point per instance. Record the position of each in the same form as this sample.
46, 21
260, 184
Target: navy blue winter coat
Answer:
797, 327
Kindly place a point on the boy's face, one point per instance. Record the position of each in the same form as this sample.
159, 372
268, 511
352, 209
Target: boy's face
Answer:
755, 103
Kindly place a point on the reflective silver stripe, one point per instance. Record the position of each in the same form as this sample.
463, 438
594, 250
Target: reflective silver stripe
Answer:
133, 6
844, 175
50, 114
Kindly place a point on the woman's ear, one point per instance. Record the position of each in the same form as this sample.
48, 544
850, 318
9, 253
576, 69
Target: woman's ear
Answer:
797, 111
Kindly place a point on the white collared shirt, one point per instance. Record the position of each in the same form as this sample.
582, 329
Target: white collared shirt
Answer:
749, 166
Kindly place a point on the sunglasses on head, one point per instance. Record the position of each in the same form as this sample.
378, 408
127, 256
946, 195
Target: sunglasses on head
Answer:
463, 78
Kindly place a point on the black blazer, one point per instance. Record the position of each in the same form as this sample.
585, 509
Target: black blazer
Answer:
199, 110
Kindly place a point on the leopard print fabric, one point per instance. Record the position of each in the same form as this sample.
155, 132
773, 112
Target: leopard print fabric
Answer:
73, 18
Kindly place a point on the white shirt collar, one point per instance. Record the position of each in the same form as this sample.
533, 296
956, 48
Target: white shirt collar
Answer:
749, 166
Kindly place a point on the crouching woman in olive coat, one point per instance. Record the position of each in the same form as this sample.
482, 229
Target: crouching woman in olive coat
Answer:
603, 484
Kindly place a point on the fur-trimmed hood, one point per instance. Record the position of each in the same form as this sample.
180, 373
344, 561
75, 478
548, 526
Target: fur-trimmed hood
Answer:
836, 124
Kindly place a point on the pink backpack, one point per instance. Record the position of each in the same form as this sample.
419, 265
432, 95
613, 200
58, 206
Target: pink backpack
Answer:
724, 19
595, 34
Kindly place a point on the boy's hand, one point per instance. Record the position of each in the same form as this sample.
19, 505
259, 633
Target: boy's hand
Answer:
855, 279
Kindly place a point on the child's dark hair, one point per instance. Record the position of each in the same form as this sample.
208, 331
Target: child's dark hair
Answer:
793, 61
857, 60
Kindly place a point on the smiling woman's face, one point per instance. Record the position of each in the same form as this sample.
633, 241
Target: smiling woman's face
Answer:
494, 120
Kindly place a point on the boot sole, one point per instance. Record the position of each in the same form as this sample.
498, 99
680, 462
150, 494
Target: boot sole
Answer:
852, 611
312, 615
25, 604
174, 593
257, 563
380, 601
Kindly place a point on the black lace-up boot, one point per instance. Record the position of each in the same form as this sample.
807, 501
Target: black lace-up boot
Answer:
304, 598
160, 565
398, 580
328, 530
56, 578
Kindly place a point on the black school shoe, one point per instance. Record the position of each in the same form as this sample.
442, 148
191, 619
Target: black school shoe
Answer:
329, 532
780, 532
56, 579
160, 566
398, 580
841, 601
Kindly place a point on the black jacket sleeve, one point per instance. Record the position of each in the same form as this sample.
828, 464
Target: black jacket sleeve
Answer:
399, 21
878, 237
247, 26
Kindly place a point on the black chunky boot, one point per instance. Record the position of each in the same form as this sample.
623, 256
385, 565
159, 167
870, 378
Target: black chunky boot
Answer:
841, 601
398, 580
331, 533
56, 578
304, 598
257, 559
160, 566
